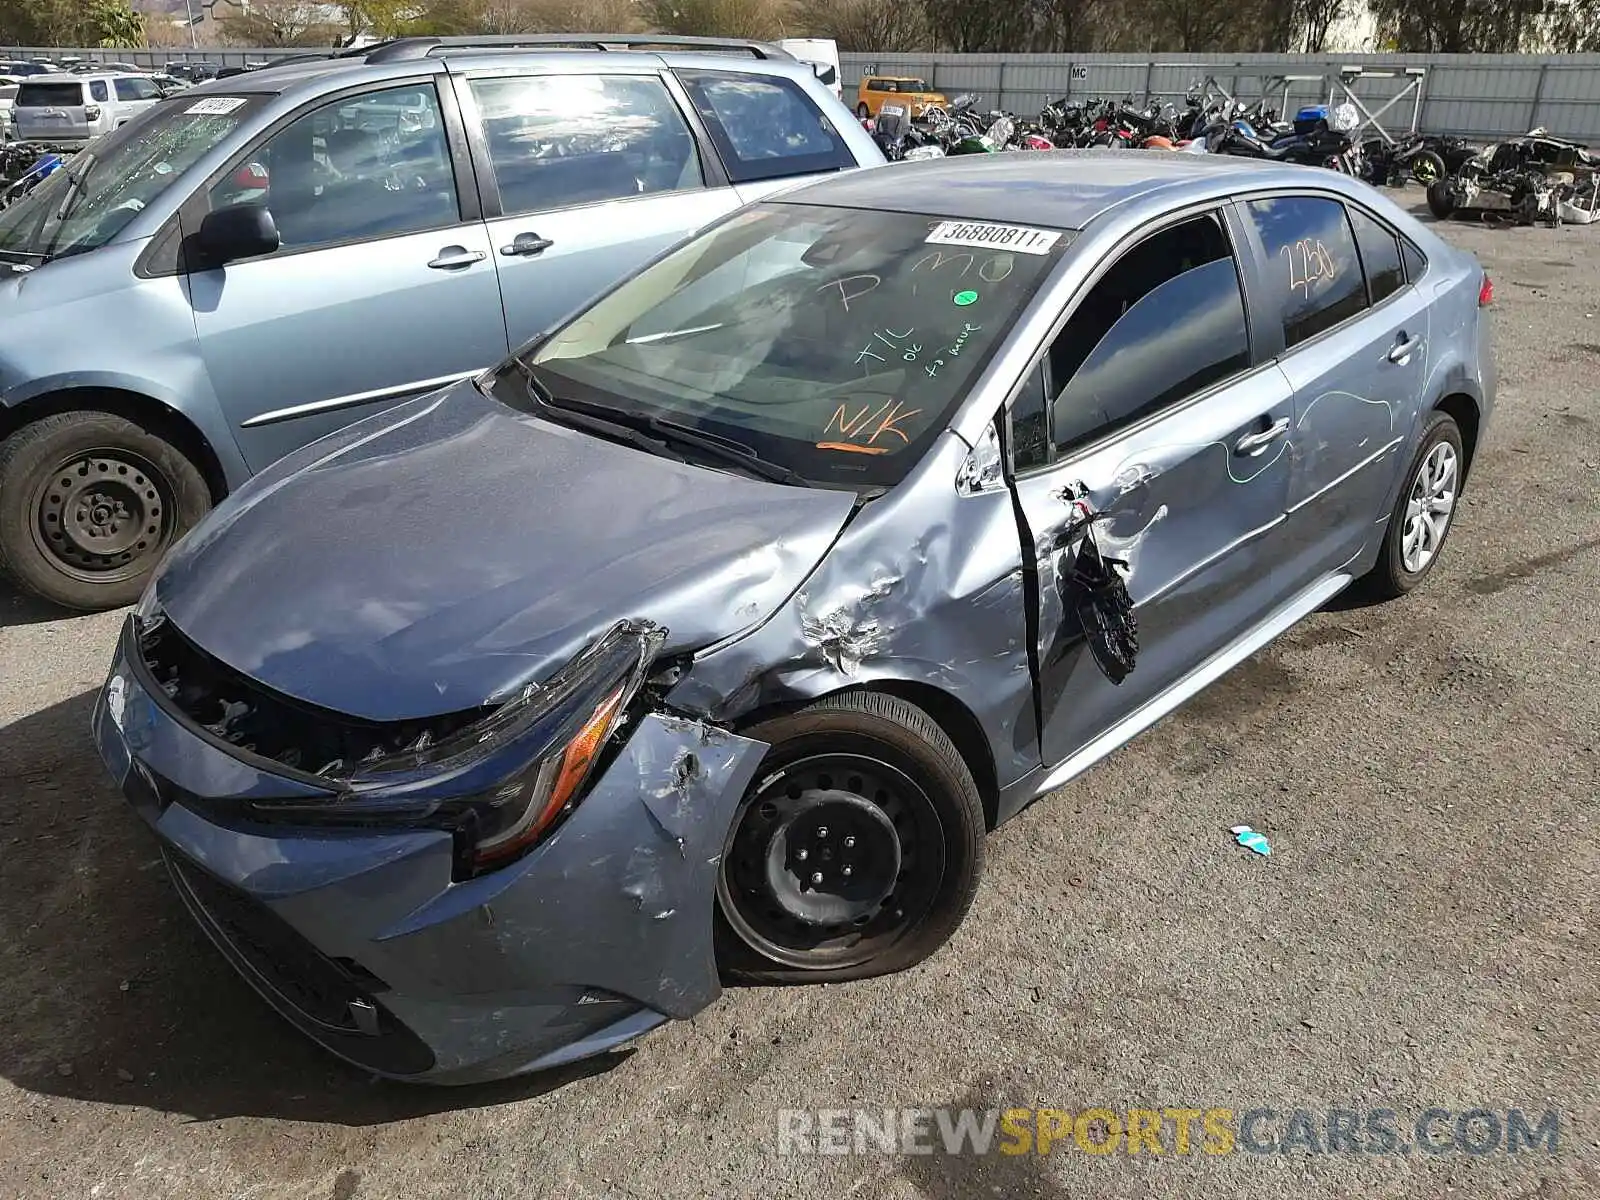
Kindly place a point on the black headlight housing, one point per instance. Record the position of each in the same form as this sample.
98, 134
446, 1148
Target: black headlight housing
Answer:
506, 781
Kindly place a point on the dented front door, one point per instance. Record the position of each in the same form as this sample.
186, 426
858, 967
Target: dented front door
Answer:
1195, 503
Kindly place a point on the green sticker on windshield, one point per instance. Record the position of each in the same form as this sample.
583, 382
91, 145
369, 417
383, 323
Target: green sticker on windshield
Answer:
963, 299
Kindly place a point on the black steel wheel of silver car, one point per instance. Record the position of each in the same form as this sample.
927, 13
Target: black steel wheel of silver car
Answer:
89, 502
1423, 512
858, 850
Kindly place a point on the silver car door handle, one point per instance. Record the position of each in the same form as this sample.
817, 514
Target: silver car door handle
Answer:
456, 256
1402, 350
526, 245
1255, 443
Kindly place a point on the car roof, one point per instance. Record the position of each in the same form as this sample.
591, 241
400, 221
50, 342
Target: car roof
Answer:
80, 76
1058, 189
409, 56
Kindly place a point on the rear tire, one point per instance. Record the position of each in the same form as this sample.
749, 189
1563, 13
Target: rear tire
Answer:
867, 791
1441, 200
1424, 512
89, 503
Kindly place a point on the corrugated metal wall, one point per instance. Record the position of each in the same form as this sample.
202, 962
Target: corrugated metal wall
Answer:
1478, 95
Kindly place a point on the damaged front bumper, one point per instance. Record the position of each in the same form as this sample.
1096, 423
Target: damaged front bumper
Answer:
365, 942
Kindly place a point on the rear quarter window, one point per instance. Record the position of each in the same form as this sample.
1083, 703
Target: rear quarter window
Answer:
49, 95
1313, 274
765, 127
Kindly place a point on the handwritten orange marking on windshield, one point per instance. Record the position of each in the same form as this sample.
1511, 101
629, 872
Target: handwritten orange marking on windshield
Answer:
887, 415
851, 448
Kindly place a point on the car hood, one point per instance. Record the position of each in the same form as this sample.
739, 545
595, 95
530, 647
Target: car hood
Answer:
440, 555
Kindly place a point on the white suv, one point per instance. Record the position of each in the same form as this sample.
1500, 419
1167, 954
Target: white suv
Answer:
63, 108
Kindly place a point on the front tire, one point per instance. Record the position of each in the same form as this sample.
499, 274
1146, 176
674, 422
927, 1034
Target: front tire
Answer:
1427, 168
89, 502
1423, 514
858, 851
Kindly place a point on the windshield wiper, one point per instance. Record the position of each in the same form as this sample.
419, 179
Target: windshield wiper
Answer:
564, 412
76, 174
726, 450
640, 426
711, 445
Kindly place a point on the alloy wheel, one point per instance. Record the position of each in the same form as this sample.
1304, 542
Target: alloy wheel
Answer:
1431, 505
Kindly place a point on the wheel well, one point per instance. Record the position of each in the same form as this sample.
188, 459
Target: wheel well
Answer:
160, 419
950, 714
1464, 410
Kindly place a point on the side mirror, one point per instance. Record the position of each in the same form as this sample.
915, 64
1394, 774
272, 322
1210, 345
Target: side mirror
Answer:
238, 231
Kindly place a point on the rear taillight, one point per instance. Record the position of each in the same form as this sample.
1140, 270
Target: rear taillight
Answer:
1486, 291
91, 112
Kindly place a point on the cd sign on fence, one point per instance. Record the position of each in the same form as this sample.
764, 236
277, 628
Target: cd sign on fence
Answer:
1080, 72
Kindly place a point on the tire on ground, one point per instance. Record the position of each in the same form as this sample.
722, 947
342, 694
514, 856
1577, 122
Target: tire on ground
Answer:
1389, 578
29, 460
878, 724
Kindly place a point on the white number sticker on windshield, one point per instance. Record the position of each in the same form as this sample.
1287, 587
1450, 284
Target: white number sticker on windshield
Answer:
215, 106
994, 237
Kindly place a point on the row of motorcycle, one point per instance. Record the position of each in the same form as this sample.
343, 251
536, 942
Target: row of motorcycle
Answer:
1207, 123
1534, 178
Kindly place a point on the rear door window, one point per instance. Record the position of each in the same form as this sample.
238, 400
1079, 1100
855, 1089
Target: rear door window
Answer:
49, 95
765, 126
1380, 256
562, 140
1313, 275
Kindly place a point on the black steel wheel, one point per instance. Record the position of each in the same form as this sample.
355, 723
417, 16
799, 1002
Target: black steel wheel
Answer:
858, 850
89, 502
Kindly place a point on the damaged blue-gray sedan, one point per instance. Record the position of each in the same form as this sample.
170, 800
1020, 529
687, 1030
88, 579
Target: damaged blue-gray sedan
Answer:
706, 637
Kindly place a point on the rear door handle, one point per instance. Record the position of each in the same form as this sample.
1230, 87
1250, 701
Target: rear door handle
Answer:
452, 257
526, 245
1255, 443
1403, 349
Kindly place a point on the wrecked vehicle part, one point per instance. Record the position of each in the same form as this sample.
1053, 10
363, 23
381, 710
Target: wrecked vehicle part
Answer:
498, 778
367, 942
901, 599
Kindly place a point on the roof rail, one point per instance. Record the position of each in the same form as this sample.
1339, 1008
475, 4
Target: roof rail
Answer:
410, 48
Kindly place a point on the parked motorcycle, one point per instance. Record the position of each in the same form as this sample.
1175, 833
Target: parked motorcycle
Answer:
899, 139
1319, 137
1426, 158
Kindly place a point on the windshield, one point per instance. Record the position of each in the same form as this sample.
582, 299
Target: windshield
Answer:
100, 190
835, 343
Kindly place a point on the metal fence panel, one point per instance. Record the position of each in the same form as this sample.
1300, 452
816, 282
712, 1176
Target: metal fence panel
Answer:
1479, 95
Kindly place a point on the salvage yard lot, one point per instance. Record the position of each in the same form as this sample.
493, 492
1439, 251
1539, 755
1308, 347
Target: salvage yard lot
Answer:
1423, 934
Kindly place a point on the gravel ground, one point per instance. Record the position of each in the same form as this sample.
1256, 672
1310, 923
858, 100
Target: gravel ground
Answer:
1422, 935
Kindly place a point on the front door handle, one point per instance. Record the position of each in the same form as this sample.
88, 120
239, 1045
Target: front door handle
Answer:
1255, 443
526, 245
1403, 348
452, 257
